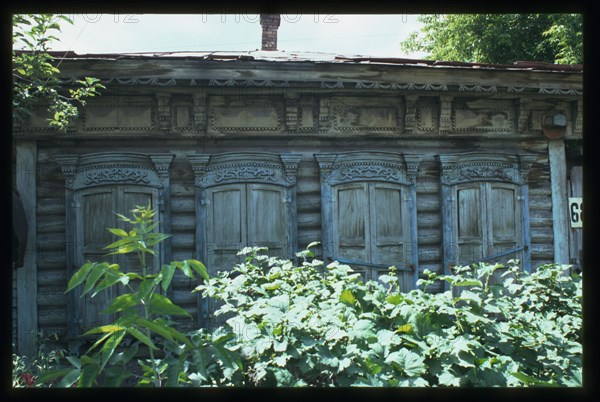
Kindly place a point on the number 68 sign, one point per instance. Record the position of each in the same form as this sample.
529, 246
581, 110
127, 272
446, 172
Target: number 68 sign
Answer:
576, 211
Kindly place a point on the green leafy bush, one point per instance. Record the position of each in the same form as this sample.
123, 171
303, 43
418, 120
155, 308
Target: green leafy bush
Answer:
311, 325
317, 325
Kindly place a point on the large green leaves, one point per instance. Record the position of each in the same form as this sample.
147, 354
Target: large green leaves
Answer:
407, 362
141, 314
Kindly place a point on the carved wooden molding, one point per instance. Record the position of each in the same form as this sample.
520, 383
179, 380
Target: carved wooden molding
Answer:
355, 84
247, 167
482, 115
356, 115
427, 114
469, 167
89, 170
122, 114
234, 114
368, 166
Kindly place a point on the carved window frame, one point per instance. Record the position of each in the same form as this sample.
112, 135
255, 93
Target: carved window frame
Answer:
367, 167
459, 170
86, 173
223, 169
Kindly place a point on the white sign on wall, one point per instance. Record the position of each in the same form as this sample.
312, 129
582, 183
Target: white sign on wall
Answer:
576, 211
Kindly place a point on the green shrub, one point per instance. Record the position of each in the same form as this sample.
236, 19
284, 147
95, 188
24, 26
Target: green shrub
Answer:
317, 325
311, 325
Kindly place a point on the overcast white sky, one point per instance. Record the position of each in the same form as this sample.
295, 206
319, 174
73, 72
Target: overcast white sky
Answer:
345, 34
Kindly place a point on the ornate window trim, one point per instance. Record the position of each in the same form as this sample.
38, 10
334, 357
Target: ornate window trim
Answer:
457, 169
221, 169
367, 166
246, 167
86, 172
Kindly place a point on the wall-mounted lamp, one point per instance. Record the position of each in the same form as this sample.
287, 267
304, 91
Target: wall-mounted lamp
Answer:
554, 124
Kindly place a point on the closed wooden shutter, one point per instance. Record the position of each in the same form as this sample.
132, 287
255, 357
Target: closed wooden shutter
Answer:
267, 220
488, 223
470, 224
505, 219
371, 226
352, 222
226, 226
96, 212
241, 215
97, 206
387, 219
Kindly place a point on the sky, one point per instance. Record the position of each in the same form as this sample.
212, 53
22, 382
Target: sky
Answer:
343, 34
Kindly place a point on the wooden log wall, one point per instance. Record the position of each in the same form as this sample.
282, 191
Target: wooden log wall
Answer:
51, 210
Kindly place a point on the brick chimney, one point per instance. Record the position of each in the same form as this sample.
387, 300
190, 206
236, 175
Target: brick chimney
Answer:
270, 24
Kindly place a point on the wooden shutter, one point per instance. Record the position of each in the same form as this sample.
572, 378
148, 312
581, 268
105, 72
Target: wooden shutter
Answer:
371, 226
386, 216
470, 217
351, 224
242, 215
267, 218
505, 219
226, 226
95, 209
97, 213
389, 227
488, 223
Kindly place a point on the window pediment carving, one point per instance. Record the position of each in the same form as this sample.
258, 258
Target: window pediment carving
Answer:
368, 166
465, 168
83, 171
214, 170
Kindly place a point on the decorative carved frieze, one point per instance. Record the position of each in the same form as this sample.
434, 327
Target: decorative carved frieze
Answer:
237, 172
337, 84
469, 167
114, 168
411, 113
245, 114
244, 168
445, 113
367, 166
354, 115
164, 111
482, 115
118, 113
427, 114
116, 175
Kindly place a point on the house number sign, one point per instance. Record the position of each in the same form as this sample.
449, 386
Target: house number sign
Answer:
576, 211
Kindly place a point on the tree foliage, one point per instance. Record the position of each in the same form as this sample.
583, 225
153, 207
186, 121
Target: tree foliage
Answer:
500, 38
35, 72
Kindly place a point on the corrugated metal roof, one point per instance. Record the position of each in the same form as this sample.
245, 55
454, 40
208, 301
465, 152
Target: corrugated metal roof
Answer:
316, 57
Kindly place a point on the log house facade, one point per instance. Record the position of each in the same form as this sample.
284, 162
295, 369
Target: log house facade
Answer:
412, 163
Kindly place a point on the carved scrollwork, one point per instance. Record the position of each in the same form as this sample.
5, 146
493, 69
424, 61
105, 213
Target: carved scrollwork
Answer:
467, 168
369, 173
116, 175
368, 166
114, 168
245, 168
237, 173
